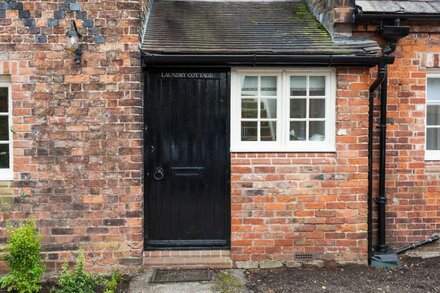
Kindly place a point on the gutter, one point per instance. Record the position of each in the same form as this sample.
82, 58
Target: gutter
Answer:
157, 60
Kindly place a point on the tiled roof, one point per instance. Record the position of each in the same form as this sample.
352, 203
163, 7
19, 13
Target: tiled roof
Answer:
400, 6
259, 27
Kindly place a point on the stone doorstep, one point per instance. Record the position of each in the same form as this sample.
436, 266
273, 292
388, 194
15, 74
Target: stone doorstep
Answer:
188, 259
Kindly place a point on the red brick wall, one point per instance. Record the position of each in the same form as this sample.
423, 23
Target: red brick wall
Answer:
78, 147
413, 184
78, 150
297, 203
284, 204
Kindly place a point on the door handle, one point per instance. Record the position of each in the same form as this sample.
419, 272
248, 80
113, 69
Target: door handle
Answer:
159, 174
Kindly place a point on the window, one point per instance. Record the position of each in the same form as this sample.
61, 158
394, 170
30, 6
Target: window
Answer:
5, 133
433, 117
283, 110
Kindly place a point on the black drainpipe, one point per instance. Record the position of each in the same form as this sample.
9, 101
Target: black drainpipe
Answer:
381, 76
383, 257
381, 199
392, 33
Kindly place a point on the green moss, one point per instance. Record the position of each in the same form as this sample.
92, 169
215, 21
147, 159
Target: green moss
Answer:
304, 14
225, 282
322, 29
303, 11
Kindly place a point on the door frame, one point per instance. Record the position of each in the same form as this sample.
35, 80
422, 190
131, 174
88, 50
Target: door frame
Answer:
146, 174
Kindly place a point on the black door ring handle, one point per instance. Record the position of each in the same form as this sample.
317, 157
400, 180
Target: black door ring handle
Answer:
159, 174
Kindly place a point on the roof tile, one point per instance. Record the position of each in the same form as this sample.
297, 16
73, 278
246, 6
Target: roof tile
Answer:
275, 27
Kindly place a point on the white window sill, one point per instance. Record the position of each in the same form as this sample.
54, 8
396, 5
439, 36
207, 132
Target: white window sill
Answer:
244, 149
432, 155
6, 175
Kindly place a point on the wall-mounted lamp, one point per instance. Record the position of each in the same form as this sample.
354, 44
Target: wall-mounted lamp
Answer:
73, 44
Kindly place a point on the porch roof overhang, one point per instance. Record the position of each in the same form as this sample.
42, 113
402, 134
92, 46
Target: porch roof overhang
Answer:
247, 33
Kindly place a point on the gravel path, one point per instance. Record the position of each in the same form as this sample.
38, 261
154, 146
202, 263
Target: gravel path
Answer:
416, 275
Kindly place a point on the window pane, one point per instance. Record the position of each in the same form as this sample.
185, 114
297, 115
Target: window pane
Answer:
268, 108
298, 108
317, 130
433, 115
317, 108
249, 108
3, 99
297, 130
4, 127
268, 86
317, 86
433, 89
268, 131
298, 85
433, 139
4, 156
249, 86
249, 131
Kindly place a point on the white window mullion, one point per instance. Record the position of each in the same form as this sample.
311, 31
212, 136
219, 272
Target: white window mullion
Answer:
259, 108
307, 107
284, 104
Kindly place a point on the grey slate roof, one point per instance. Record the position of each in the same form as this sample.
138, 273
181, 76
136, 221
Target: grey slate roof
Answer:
275, 27
400, 6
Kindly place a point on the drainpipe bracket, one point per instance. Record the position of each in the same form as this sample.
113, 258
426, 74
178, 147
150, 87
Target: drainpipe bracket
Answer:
380, 200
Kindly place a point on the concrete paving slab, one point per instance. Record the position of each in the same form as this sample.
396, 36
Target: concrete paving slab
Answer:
141, 284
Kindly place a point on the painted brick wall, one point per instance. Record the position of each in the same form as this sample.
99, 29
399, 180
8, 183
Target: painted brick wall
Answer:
288, 204
413, 184
78, 146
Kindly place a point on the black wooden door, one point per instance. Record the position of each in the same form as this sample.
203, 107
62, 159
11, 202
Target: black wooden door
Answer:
187, 202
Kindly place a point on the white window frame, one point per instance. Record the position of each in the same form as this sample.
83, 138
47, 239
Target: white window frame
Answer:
7, 174
432, 155
283, 143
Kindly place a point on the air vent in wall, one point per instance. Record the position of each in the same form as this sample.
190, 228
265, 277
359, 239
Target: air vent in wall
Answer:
304, 256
